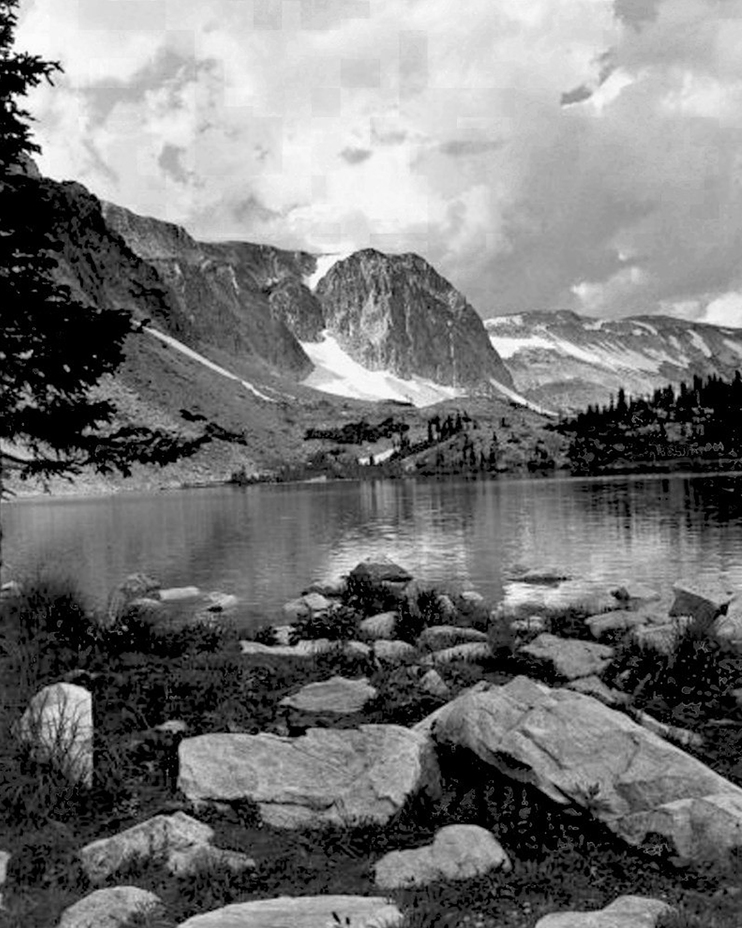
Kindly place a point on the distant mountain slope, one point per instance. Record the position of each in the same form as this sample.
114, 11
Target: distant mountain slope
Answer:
396, 313
566, 361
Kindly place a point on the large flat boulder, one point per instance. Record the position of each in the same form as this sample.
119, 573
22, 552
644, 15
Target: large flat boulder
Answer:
438, 637
579, 752
458, 852
302, 912
339, 776
380, 570
624, 912
568, 658
337, 696
57, 726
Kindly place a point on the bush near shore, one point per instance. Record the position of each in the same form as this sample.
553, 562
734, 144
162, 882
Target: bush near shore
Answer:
143, 675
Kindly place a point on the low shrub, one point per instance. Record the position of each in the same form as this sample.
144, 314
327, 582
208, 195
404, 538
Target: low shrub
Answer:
367, 598
338, 624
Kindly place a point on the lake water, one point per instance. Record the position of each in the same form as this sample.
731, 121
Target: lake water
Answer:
265, 543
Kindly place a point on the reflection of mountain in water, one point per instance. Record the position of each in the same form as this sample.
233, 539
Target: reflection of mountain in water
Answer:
265, 543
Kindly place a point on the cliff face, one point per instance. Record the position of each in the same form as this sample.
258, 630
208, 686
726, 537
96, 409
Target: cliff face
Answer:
569, 361
396, 313
221, 291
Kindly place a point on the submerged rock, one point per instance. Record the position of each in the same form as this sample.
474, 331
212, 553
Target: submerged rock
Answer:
458, 852
327, 775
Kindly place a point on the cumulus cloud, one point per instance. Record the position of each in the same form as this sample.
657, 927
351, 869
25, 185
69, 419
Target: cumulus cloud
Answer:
581, 154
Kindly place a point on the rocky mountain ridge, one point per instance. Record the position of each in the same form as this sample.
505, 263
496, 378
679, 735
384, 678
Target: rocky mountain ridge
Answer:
567, 361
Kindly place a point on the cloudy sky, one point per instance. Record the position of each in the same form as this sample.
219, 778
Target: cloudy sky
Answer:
542, 154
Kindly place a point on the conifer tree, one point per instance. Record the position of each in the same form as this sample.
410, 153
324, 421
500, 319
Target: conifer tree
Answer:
54, 348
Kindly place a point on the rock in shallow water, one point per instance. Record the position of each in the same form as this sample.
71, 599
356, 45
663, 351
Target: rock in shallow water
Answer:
338, 776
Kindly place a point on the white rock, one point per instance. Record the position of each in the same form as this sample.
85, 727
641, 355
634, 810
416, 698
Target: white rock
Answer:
176, 594
165, 836
392, 652
437, 637
302, 912
432, 683
341, 776
578, 751
569, 658
58, 727
220, 602
337, 695
624, 912
109, 908
458, 852
379, 626
473, 652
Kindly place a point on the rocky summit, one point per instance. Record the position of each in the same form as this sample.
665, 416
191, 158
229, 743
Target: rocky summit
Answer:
396, 313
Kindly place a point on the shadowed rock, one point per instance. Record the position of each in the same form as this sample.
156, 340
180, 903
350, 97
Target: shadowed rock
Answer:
569, 658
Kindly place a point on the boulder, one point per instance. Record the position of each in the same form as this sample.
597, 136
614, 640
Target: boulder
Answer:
342, 776
433, 684
568, 658
472, 597
437, 637
58, 728
169, 837
633, 594
662, 638
379, 626
473, 652
458, 852
446, 607
135, 586
110, 908
336, 696
220, 602
704, 602
594, 686
332, 589
306, 606
302, 649
586, 596
533, 625
624, 912
392, 652
541, 576
179, 594
381, 570
579, 752
621, 620
302, 912
727, 629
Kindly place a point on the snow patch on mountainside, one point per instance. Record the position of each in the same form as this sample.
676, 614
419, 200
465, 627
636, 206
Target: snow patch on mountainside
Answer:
521, 400
324, 263
700, 343
195, 356
337, 373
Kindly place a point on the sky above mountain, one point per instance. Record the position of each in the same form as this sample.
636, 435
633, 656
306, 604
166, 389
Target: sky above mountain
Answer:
582, 154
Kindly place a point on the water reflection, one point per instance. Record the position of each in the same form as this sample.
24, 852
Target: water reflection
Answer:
265, 543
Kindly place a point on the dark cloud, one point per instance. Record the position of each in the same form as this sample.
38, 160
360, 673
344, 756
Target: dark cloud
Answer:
355, 155
394, 137
252, 209
637, 12
167, 66
171, 162
578, 95
458, 148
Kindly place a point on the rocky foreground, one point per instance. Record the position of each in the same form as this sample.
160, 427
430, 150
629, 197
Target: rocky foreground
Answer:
402, 697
